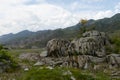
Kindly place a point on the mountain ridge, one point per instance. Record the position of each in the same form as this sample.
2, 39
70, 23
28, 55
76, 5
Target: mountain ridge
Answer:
27, 39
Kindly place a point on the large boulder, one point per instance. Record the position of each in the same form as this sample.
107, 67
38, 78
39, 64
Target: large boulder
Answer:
86, 52
57, 47
91, 43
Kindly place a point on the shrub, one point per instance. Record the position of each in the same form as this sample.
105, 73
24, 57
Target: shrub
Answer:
7, 60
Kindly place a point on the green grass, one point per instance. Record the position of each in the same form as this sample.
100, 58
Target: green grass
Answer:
81, 75
55, 74
44, 74
17, 52
36, 73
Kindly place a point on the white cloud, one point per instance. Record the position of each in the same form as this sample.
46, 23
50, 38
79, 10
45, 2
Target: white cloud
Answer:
103, 14
117, 8
40, 1
84, 6
12, 2
108, 13
77, 5
34, 17
16, 16
92, 1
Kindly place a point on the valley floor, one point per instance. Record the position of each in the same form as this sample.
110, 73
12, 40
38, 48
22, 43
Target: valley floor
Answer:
28, 71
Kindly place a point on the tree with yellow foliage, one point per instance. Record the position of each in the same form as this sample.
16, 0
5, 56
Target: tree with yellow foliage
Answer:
83, 27
83, 21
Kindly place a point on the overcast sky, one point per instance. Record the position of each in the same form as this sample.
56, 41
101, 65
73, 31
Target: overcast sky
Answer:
34, 15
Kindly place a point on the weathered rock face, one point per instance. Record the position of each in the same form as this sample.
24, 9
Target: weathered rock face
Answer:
91, 43
79, 61
57, 47
85, 61
113, 60
85, 52
89, 49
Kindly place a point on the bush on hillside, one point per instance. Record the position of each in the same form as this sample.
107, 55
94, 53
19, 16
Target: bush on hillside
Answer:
7, 61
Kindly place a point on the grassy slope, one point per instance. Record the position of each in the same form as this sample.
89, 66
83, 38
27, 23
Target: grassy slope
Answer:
35, 73
17, 52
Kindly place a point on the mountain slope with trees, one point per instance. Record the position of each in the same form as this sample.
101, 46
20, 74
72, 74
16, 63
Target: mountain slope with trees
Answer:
28, 39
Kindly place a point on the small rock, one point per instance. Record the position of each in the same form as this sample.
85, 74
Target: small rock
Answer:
86, 66
117, 73
58, 62
72, 78
26, 69
39, 64
67, 73
49, 67
43, 54
29, 56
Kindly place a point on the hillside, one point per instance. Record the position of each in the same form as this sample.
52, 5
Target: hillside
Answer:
108, 24
28, 39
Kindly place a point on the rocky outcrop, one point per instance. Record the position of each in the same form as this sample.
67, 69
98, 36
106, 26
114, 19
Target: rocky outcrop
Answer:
86, 52
90, 48
91, 43
57, 47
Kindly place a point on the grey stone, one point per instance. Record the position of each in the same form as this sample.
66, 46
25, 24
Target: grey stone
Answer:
91, 33
26, 69
97, 59
39, 63
80, 61
72, 78
67, 73
29, 56
114, 60
57, 47
92, 43
49, 67
43, 54
82, 52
